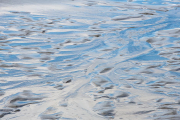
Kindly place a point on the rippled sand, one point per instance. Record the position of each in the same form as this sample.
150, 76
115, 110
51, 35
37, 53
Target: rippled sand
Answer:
89, 60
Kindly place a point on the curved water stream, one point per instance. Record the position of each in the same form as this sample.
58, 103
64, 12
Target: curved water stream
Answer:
90, 60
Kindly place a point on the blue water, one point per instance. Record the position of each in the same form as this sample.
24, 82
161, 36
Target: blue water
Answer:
90, 60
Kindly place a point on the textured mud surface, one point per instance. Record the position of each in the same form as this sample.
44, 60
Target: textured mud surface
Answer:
90, 60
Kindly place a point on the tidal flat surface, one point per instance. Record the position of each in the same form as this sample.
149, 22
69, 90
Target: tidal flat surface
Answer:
90, 60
